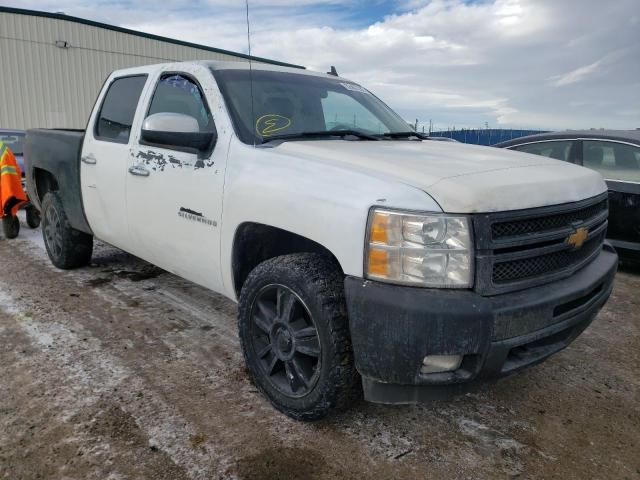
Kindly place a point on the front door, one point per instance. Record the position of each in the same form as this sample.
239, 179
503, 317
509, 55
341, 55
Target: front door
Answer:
174, 196
105, 159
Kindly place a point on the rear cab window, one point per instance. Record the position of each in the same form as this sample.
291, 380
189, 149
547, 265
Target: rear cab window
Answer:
113, 123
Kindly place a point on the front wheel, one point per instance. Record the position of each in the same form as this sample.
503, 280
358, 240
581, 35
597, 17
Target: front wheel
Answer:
10, 226
67, 247
295, 335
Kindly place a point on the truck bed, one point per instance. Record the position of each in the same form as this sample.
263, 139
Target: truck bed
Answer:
52, 161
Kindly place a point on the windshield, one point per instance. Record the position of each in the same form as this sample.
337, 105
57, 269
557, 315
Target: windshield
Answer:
289, 103
13, 140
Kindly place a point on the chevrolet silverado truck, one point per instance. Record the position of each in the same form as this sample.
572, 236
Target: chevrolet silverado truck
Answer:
364, 257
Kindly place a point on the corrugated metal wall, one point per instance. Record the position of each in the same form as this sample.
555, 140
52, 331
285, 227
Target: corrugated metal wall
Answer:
42, 85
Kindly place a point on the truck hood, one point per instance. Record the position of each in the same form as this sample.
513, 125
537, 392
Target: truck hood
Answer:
461, 178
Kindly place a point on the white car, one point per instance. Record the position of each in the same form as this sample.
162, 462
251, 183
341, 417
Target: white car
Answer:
363, 256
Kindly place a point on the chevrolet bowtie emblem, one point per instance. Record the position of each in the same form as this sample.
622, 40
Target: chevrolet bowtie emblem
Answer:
577, 238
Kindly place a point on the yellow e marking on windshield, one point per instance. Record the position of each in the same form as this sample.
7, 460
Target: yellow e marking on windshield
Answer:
271, 123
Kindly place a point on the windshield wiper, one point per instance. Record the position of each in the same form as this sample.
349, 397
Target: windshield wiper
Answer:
407, 134
322, 133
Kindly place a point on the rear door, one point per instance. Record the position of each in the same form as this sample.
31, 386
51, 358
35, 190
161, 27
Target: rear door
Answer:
174, 195
105, 158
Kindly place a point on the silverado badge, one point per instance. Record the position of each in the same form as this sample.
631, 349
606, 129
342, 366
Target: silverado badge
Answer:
577, 238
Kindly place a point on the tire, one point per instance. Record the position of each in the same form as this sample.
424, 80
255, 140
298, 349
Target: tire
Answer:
67, 248
293, 297
10, 226
33, 217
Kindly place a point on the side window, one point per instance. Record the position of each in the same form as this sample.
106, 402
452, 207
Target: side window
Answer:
559, 150
118, 109
344, 112
615, 161
177, 93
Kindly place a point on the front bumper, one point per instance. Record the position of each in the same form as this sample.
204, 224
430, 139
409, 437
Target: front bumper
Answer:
394, 327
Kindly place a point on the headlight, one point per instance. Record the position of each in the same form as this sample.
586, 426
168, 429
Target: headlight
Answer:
430, 250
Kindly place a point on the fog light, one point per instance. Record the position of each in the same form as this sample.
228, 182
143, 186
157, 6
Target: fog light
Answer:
440, 363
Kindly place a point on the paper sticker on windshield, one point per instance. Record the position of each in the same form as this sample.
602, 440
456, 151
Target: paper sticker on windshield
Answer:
271, 124
354, 87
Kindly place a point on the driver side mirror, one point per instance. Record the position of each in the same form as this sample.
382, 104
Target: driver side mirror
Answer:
176, 130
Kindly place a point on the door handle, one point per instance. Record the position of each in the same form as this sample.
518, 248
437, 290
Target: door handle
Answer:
139, 170
89, 159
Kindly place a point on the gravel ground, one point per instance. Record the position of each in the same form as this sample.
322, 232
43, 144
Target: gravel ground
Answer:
123, 371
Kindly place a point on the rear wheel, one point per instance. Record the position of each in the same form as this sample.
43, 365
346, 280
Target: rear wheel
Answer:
33, 217
67, 247
295, 336
10, 226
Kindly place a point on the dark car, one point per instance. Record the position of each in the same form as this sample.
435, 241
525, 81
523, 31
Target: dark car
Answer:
613, 153
14, 139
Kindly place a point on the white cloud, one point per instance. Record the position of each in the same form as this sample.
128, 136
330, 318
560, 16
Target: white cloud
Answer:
467, 63
576, 75
457, 62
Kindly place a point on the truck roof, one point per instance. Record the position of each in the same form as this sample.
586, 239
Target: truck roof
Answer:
223, 65
241, 65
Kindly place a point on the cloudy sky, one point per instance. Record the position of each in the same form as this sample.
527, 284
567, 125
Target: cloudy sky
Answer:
545, 64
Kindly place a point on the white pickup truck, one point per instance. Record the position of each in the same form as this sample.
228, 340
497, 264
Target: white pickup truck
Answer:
365, 258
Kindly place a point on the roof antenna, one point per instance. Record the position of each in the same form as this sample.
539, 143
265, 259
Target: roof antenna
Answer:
333, 71
253, 115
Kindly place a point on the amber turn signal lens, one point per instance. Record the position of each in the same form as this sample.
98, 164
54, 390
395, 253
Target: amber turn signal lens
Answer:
429, 249
378, 261
379, 228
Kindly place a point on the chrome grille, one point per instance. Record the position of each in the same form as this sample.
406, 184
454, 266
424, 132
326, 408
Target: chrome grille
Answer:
523, 248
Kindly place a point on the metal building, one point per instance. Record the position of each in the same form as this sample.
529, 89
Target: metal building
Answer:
54, 65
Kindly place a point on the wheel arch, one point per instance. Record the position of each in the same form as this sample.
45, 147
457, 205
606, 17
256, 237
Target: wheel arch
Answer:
253, 243
45, 182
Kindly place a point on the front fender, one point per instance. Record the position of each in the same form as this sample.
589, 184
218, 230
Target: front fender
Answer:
323, 202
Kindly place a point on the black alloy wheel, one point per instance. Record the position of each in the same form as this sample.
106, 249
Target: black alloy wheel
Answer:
53, 231
285, 339
294, 334
67, 248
